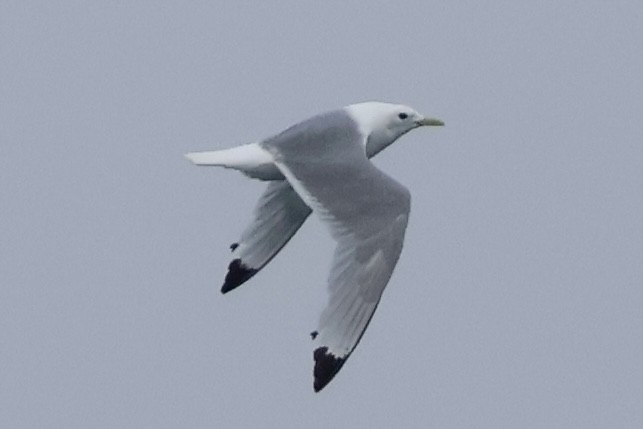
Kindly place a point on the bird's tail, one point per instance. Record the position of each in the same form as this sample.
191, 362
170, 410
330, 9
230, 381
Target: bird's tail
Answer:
240, 157
251, 159
214, 157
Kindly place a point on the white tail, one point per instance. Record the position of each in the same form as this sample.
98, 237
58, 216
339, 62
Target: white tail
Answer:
251, 159
205, 158
243, 157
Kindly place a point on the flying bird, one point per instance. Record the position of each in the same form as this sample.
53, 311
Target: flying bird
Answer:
322, 165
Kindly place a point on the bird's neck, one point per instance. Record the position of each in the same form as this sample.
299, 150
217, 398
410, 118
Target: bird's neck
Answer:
378, 141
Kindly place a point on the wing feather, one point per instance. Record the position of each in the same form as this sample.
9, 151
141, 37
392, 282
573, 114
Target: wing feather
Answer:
278, 215
366, 212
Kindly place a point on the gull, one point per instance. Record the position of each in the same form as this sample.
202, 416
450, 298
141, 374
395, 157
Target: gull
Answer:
322, 165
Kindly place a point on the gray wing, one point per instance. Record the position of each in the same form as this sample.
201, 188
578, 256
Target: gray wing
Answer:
367, 213
360, 271
278, 215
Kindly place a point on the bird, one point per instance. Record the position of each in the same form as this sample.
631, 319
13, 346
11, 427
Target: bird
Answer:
322, 165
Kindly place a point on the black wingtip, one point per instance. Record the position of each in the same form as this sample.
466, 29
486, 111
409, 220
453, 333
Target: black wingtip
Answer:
327, 366
238, 274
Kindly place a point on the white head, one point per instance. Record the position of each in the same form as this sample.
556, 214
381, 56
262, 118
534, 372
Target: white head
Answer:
383, 123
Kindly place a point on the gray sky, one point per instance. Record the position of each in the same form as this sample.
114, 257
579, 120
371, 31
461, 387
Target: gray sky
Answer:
518, 298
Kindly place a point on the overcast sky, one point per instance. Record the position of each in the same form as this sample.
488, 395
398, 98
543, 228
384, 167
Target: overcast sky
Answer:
518, 299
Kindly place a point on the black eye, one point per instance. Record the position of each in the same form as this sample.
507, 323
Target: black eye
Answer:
402, 116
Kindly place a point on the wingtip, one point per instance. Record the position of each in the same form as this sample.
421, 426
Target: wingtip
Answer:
238, 274
327, 365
